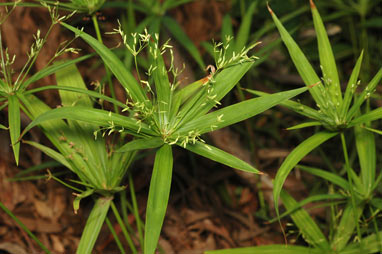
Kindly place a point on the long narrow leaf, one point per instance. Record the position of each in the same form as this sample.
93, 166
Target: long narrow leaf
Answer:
370, 244
346, 227
238, 112
294, 157
93, 225
140, 144
302, 64
367, 117
333, 178
309, 229
183, 39
93, 116
315, 198
245, 27
52, 69
200, 104
298, 108
327, 60
51, 153
366, 150
269, 249
71, 77
369, 89
158, 197
114, 64
14, 124
351, 86
78, 90
220, 156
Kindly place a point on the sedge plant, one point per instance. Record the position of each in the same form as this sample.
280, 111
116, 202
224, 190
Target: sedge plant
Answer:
94, 160
12, 85
337, 115
161, 115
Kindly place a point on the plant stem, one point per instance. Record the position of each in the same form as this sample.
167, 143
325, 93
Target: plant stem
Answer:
117, 241
379, 240
28, 66
135, 209
348, 170
108, 74
124, 230
10, 214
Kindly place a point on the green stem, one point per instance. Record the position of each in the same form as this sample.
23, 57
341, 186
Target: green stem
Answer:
117, 241
28, 66
379, 240
10, 214
348, 170
108, 74
135, 209
124, 230
125, 206
93, 225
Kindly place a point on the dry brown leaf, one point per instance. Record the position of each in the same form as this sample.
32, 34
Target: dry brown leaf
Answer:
12, 248
57, 243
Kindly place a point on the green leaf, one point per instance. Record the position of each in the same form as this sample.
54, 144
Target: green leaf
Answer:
3, 127
269, 249
200, 104
369, 244
114, 64
78, 90
302, 64
294, 157
158, 197
327, 60
52, 69
351, 86
298, 108
93, 225
369, 89
366, 150
93, 116
237, 112
376, 202
367, 117
309, 229
139, 144
333, 178
51, 153
14, 124
162, 84
226, 30
313, 198
220, 156
346, 227
71, 77
182, 38
304, 125
245, 27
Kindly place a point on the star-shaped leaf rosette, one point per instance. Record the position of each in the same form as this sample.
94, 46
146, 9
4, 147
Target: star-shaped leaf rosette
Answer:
160, 114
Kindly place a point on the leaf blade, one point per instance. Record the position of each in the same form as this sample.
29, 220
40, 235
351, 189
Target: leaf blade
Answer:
114, 64
220, 156
158, 197
14, 124
294, 157
237, 112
